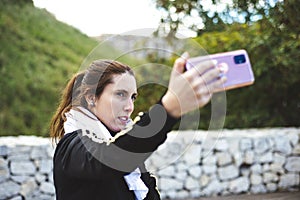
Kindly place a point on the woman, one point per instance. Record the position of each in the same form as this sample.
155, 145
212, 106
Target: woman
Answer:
101, 153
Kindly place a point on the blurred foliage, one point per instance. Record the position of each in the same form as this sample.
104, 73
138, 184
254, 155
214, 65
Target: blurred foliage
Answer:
209, 15
39, 54
273, 44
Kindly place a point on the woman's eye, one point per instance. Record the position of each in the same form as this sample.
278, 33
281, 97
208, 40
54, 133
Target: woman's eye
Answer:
121, 94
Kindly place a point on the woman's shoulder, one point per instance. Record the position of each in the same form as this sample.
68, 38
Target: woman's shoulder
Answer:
74, 138
70, 136
67, 140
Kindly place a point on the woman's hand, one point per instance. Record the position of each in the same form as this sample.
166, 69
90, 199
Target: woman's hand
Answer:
192, 89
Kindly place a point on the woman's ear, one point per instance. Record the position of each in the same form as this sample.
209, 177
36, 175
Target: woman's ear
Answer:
90, 99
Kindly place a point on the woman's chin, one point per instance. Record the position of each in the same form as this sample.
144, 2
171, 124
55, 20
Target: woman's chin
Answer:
117, 128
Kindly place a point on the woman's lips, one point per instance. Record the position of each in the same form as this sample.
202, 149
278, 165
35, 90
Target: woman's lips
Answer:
123, 119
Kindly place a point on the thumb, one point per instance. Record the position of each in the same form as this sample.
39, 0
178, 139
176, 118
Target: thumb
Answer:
179, 65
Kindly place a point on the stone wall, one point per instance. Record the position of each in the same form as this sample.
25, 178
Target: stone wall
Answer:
190, 164
26, 168
227, 162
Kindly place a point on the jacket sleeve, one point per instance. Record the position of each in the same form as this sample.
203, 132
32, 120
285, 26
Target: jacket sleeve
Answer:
150, 181
80, 156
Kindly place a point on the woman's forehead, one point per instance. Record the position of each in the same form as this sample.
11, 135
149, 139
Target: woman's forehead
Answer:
124, 81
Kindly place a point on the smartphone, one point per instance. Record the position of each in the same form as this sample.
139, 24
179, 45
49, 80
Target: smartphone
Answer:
237, 66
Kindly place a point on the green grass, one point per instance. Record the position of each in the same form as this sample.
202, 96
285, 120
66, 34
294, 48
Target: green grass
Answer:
38, 55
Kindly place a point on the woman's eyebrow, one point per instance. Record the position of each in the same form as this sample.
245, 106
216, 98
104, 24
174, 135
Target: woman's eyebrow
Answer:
126, 91
122, 90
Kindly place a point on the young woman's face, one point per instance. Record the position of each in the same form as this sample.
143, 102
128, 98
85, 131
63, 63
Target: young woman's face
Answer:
116, 103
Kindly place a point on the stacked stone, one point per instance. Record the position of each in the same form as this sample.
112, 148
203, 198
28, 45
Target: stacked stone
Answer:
190, 164
227, 162
26, 169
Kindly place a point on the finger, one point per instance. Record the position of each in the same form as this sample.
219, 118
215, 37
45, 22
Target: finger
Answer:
200, 69
179, 65
223, 67
203, 91
204, 99
198, 83
217, 85
201, 83
211, 75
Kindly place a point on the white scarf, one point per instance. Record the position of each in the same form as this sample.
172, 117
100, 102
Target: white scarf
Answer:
85, 120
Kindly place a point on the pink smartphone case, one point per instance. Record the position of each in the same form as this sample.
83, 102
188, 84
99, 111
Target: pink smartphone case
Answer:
239, 72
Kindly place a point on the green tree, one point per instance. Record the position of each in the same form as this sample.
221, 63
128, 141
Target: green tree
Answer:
209, 15
276, 49
270, 34
273, 44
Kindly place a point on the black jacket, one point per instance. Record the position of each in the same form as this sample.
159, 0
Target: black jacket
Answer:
84, 169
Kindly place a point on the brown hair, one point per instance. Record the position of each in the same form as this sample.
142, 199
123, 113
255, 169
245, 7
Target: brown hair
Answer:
93, 80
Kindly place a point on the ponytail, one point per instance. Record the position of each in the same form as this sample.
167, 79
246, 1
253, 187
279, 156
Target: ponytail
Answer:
71, 91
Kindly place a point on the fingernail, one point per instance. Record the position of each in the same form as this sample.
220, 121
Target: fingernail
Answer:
215, 62
223, 67
224, 79
185, 55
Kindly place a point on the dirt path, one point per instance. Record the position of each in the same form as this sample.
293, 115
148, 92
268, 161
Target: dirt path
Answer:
269, 196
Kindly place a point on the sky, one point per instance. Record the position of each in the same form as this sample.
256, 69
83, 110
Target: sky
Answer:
97, 17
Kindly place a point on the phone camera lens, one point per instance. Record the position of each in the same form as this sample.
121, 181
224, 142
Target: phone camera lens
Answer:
239, 59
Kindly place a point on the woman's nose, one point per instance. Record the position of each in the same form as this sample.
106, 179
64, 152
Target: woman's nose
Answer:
129, 105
